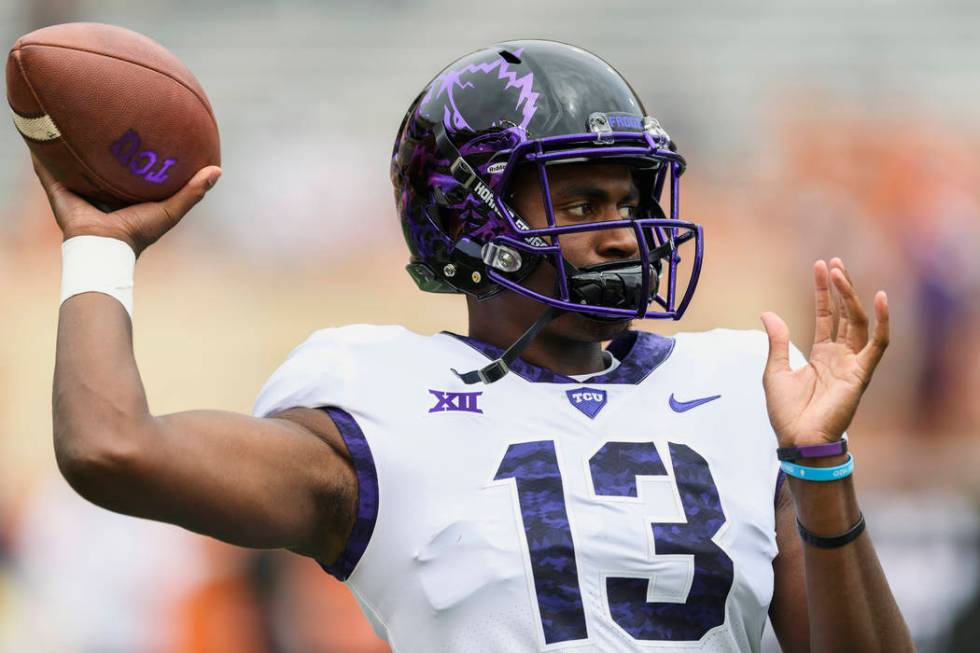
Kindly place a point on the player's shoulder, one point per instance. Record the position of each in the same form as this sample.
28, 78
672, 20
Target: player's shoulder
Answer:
362, 348
743, 347
362, 333
722, 341
336, 362
356, 335
358, 340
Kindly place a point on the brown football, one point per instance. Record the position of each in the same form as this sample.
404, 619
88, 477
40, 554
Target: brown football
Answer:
114, 116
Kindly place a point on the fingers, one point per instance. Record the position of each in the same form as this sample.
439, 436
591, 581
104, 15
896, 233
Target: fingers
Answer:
840, 314
840, 307
177, 205
778, 332
855, 331
62, 200
824, 328
874, 350
854, 327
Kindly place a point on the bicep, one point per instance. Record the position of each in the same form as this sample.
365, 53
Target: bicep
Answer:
788, 610
256, 482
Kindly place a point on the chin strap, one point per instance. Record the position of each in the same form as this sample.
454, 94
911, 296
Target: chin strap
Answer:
498, 369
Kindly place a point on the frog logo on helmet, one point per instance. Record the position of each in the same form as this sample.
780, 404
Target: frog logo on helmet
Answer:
452, 85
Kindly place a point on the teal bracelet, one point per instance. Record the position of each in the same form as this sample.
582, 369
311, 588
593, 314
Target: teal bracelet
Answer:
819, 473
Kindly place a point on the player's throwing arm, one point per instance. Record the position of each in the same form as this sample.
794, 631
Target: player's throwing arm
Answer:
276, 482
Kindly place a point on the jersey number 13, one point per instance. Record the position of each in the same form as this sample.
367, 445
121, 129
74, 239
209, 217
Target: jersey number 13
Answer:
614, 470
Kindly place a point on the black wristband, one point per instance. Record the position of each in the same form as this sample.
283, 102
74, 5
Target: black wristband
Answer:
831, 542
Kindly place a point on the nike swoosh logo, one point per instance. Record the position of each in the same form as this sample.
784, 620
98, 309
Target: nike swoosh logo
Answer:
684, 406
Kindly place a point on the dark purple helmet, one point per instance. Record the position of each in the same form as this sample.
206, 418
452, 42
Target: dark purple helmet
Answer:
540, 104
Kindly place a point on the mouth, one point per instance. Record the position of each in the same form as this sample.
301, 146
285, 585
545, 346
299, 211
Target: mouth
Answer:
614, 284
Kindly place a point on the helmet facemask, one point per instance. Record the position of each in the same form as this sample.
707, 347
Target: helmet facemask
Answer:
510, 248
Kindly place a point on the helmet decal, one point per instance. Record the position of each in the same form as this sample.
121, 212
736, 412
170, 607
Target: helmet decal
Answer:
454, 84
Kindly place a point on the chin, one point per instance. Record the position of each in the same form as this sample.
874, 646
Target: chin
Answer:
586, 328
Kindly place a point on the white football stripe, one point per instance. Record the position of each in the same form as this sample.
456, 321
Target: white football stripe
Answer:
38, 129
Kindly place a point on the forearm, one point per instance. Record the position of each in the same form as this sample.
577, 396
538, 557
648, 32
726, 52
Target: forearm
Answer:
98, 396
850, 606
253, 482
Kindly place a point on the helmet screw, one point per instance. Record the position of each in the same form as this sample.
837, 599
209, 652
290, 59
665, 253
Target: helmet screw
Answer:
449, 270
476, 277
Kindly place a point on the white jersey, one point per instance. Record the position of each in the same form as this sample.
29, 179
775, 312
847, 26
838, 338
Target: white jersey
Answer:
632, 511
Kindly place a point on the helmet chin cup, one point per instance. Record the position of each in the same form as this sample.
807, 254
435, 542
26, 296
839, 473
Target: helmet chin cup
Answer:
615, 284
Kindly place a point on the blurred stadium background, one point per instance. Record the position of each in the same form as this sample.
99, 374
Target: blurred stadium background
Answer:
812, 129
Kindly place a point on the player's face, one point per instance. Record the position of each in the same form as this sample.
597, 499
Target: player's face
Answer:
581, 193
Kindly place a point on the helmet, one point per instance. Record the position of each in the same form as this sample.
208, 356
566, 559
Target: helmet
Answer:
538, 104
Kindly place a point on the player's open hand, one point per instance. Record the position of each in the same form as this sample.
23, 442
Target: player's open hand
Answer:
816, 403
139, 225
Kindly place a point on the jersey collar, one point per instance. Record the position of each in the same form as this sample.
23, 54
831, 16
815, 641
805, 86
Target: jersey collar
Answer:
639, 353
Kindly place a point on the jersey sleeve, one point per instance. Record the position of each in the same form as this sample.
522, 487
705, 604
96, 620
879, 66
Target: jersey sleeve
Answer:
333, 367
311, 376
328, 371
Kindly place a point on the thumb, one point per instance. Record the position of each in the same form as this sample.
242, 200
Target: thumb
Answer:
778, 333
178, 204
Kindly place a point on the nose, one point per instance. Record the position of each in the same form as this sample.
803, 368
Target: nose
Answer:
617, 244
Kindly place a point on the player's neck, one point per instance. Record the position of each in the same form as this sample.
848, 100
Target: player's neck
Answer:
564, 356
552, 352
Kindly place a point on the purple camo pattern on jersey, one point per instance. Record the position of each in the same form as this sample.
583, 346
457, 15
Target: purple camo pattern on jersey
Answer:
615, 467
534, 468
617, 464
367, 494
714, 572
639, 353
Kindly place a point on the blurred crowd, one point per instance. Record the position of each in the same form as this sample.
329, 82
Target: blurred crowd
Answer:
819, 172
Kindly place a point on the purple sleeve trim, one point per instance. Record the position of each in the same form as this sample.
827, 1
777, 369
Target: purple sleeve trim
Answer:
780, 477
367, 494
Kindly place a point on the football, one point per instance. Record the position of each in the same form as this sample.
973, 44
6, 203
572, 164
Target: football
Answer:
114, 116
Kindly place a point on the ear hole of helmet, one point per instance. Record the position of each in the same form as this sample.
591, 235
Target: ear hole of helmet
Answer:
646, 181
449, 221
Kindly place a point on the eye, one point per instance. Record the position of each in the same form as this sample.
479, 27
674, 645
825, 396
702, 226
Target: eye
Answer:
628, 212
578, 211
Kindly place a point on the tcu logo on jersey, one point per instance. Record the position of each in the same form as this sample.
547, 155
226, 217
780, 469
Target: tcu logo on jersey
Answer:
140, 162
588, 400
455, 401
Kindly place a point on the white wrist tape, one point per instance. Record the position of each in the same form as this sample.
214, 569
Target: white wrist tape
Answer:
97, 264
